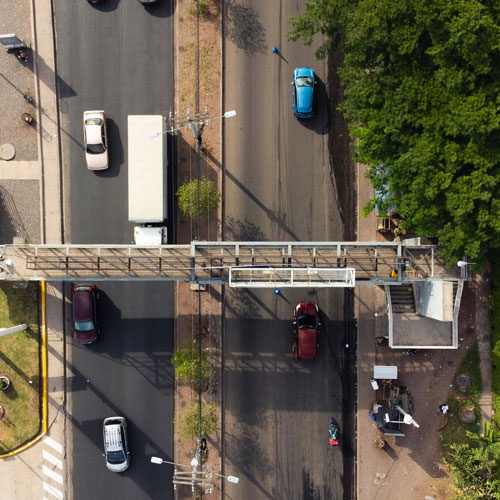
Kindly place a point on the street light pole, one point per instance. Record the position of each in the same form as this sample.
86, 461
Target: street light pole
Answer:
194, 477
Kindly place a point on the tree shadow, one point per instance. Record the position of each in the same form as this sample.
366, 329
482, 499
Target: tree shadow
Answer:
244, 29
238, 230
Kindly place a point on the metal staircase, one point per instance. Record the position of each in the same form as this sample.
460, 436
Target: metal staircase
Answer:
402, 298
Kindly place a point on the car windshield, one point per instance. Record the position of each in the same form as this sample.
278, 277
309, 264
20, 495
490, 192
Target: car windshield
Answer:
95, 149
93, 121
84, 326
306, 321
116, 457
304, 81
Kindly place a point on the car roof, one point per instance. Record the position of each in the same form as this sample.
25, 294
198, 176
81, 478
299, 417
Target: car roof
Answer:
112, 437
93, 134
82, 304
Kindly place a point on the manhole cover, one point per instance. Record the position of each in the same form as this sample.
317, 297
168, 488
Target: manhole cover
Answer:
7, 152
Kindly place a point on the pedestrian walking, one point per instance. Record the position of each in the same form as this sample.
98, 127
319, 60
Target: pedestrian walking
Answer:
22, 56
275, 50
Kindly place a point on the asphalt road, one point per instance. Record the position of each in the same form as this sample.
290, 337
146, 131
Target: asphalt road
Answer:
126, 372
279, 185
116, 57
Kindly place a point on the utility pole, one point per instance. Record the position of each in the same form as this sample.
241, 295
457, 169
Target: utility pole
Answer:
195, 477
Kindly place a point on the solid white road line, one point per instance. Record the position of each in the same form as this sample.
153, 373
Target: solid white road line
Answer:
53, 444
52, 459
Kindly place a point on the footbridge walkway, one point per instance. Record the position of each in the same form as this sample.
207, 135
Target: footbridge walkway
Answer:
257, 264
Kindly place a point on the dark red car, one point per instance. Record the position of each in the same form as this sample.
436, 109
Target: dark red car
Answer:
306, 331
85, 313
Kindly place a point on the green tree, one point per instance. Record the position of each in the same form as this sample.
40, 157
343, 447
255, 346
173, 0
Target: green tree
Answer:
326, 17
473, 474
488, 441
422, 81
198, 198
186, 361
188, 423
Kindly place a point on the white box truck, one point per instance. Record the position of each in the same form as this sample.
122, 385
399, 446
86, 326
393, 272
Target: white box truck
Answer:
147, 178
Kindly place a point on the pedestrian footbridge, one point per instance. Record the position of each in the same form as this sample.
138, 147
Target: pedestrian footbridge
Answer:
249, 264
425, 318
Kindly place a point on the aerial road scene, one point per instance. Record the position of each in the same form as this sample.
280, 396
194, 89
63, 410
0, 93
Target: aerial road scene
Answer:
249, 250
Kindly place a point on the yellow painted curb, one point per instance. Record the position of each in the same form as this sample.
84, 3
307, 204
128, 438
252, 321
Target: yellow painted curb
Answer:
44, 378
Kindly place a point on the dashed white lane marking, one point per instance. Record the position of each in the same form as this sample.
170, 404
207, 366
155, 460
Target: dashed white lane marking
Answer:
52, 459
53, 491
52, 474
53, 444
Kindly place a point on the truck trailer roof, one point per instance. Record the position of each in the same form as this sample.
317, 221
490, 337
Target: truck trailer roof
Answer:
147, 172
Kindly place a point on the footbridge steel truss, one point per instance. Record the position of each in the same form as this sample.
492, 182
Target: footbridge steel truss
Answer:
232, 263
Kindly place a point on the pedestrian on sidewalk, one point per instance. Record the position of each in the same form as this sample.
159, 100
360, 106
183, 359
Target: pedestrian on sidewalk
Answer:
22, 56
443, 408
275, 50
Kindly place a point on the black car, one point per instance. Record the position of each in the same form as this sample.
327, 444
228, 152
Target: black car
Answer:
85, 313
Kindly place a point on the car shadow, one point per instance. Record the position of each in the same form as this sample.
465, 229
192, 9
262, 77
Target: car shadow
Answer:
107, 6
115, 151
160, 8
320, 123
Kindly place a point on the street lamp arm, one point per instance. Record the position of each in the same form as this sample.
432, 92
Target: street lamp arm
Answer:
159, 461
227, 114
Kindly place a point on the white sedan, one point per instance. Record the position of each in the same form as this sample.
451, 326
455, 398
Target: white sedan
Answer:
95, 140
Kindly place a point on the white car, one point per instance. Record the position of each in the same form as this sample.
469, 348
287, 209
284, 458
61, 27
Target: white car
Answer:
115, 437
95, 140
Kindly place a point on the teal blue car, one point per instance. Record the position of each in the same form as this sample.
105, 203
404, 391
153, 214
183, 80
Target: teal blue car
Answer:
303, 92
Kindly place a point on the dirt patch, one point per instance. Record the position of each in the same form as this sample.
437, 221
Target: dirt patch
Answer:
416, 459
195, 309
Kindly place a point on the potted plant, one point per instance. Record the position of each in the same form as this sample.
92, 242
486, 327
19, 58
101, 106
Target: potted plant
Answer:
4, 382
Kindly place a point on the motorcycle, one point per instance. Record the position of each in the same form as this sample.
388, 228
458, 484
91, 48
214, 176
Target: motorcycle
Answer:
333, 433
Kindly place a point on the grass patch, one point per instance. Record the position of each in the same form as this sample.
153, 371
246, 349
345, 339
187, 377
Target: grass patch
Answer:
495, 323
454, 431
209, 73
20, 361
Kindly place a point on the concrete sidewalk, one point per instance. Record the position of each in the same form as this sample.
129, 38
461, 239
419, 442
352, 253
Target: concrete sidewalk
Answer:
413, 460
30, 191
34, 172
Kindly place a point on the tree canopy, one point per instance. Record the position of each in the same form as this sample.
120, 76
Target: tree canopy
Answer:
198, 198
422, 86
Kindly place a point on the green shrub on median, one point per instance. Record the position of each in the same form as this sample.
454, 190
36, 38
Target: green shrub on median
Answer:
187, 364
188, 422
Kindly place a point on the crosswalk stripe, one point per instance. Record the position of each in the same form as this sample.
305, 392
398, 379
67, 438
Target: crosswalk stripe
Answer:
53, 444
52, 474
52, 459
53, 491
